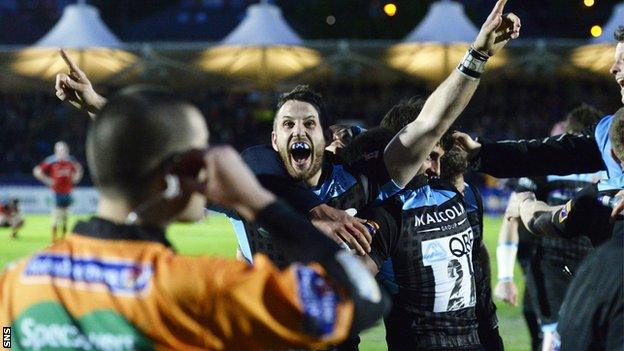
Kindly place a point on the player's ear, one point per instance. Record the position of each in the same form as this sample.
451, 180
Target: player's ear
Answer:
274, 140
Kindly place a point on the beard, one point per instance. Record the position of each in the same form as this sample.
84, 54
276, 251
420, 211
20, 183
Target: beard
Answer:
306, 169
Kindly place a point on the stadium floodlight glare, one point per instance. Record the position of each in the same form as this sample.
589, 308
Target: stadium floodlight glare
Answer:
262, 49
589, 3
390, 9
84, 36
596, 31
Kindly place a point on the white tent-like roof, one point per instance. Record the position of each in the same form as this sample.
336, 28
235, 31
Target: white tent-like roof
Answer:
445, 23
437, 43
263, 25
80, 27
86, 38
262, 49
616, 19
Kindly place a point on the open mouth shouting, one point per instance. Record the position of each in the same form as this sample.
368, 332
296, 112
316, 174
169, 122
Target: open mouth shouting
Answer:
300, 155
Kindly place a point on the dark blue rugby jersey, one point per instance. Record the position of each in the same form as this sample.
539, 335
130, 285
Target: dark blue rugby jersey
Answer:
343, 186
432, 259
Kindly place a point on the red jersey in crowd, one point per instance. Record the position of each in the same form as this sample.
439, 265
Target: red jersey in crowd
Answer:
61, 171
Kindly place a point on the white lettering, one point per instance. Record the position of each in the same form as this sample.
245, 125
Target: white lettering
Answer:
62, 336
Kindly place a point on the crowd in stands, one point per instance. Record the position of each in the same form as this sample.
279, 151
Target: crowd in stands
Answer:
505, 107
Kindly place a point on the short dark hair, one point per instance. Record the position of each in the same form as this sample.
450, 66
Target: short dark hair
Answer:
453, 163
616, 134
402, 113
304, 93
619, 34
371, 140
581, 118
135, 132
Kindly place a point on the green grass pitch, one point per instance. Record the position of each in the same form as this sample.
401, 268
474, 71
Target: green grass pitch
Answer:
214, 236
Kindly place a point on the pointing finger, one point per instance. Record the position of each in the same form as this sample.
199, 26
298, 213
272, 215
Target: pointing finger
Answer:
498, 8
73, 68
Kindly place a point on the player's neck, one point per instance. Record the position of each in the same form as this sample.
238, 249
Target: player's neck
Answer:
313, 180
458, 183
112, 210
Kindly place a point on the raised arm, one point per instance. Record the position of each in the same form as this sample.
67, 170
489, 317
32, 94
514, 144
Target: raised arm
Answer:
560, 154
409, 148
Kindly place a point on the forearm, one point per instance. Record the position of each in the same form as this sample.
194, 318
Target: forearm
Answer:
532, 213
507, 248
409, 148
561, 155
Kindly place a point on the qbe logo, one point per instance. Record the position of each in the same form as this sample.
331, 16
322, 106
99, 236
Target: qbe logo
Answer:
6, 337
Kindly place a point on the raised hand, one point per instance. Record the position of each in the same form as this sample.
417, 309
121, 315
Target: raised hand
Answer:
76, 88
497, 30
467, 144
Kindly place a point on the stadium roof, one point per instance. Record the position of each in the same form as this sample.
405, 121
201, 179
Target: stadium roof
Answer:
263, 25
446, 22
80, 27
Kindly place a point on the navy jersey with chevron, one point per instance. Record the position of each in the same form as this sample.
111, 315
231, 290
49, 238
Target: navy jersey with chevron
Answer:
432, 259
343, 186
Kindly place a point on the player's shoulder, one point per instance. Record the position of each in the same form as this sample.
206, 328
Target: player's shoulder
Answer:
601, 129
50, 159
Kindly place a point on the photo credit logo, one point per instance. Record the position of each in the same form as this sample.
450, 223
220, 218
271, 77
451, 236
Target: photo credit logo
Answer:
6, 337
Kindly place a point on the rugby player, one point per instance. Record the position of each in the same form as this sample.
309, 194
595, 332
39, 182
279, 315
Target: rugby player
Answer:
117, 284
60, 172
591, 316
552, 257
11, 216
562, 154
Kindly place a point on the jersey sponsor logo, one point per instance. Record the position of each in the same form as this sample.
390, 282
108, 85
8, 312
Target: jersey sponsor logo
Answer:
48, 326
116, 275
319, 302
450, 259
437, 217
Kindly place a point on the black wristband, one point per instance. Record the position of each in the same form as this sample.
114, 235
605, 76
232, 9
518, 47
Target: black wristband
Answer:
473, 63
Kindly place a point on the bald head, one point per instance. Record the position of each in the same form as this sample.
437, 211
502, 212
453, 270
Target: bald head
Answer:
137, 130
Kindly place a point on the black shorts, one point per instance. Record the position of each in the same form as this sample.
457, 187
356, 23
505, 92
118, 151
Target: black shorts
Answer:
548, 283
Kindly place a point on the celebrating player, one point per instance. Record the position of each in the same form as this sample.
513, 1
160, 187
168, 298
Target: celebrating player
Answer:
116, 283
60, 172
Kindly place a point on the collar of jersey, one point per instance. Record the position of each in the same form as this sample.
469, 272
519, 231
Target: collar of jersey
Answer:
103, 229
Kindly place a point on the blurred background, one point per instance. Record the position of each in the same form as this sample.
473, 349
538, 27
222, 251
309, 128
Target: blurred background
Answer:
233, 57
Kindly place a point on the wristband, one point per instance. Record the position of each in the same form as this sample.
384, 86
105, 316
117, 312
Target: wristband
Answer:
473, 63
506, 258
